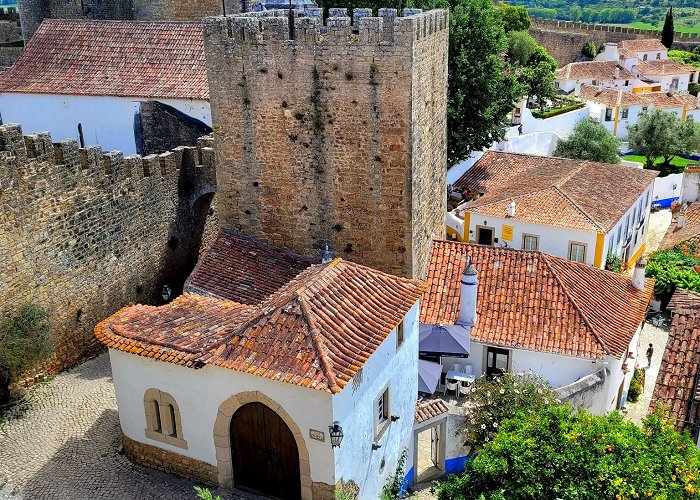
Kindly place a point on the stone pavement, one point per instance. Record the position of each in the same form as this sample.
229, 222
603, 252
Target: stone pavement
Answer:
658, 224
66, 445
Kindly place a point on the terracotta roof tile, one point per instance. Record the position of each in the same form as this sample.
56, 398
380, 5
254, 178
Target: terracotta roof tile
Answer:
643, 45
430, 409
677, 383
316, 331
662, 67
608, 96
691, 231
112, 58
663, 100
604, 70
243, 269
544, 186
532, 300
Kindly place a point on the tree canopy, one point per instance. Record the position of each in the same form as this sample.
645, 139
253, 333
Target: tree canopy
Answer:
659, 133
554, 453
667, 31
589, 141
514, 17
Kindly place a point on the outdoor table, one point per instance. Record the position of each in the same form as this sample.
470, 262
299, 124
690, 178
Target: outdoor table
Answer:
461, 376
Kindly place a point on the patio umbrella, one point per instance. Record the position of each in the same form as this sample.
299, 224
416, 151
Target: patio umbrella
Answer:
444, 340
428, 376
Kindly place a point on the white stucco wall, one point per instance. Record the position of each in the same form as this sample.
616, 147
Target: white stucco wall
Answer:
199, 393
539, 143
563, 124
553, 240
106, 121
667, 187
354, 409
614, 238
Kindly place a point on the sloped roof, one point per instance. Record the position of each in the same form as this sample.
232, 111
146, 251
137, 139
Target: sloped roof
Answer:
643, 45
432, 408
592, 69
532, 300
608, 96
112, 58
316, 331
676, 385
675, 235
662, 67
664, 100
243, 269
555, 191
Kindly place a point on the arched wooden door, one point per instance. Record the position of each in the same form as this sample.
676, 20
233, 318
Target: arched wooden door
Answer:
264, 454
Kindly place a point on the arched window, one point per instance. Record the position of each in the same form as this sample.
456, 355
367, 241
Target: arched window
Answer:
163, 422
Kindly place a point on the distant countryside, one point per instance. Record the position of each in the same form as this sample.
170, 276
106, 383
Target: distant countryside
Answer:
632, 13
8, 3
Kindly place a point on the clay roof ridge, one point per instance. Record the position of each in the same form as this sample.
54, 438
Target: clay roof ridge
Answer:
319, 346
576, 205
545, 258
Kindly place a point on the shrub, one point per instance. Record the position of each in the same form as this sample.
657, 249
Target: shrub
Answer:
24, 342
677, 267
613, 263
553, 453
205, 494
494, 400
636, 385
392, 489
589, 50
557, 111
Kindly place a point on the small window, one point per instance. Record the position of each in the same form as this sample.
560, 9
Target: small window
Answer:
163, 421
658, 55
381, 412
157, 422
608, 114
399, 335
644, 108
556, 85
674, 84
595, 82
577, 252
531, 242
627, 82
625, 113
645, 57
173, 420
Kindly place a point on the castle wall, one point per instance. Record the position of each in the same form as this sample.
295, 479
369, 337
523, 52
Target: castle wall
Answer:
565, 39
83, 233
333, 137
180, 10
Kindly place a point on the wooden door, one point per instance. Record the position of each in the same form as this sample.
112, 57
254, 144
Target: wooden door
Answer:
264, 454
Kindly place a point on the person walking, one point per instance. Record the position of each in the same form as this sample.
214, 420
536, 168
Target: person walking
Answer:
650, 353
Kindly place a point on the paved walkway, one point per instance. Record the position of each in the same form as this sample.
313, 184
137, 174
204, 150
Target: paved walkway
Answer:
66, 445
658, 224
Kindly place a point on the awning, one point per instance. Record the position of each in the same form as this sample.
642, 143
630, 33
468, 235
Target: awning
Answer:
428, 376
444, 340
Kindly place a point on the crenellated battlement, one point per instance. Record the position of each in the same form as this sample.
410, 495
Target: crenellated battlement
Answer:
18, 150
308, 26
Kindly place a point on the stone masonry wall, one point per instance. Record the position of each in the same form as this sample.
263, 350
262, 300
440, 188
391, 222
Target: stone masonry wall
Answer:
182, 10
332, 137
170, 462
83, 233
565, 39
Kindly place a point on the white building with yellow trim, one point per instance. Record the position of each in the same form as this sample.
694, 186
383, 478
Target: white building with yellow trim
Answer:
580, 210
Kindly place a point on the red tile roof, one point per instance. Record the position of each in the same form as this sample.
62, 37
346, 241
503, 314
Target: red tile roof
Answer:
532, 300
663, 100
644, 45
662, 67
604, 70
427, 410
554, 191
316, 331
609, 97
112, 58
690, 232
677, 383
243, 269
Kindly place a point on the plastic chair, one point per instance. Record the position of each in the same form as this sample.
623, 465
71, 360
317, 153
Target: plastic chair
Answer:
465, 388
456, 368
469, 369
452, 385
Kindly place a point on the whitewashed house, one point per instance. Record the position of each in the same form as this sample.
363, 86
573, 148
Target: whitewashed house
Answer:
575, 325
251, 381
578, 210
600, 73
137, 87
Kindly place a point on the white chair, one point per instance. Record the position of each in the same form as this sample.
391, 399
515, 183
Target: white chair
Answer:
456, 368
469, 369
451, 383
465, 388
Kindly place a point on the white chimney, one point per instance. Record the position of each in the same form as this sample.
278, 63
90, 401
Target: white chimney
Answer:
467, 300
639, 273
577, 88
326, 256
511, 209
617, 72
681, 220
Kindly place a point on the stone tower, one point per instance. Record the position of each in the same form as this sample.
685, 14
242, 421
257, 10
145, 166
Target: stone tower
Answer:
332, 133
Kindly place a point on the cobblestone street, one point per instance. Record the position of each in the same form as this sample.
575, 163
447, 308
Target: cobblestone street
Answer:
66, 446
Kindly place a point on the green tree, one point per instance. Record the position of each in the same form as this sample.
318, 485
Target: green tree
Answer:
553, 453
24, 342
589, 141
540, 83
514, 17
667, 31
677, 267
589, 50
659, 133
521, 46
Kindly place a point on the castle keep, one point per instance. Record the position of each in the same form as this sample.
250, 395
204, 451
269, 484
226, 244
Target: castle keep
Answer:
332, 134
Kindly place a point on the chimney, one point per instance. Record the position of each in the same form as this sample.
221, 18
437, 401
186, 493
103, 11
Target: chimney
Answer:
467, 300
639, 273
617, 72
511, 209
577, 88
326, 256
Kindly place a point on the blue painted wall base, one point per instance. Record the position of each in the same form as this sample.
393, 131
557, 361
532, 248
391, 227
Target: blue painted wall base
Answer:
452, 466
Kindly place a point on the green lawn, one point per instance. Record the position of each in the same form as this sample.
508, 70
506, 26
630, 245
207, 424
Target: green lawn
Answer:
647, 26
677, 164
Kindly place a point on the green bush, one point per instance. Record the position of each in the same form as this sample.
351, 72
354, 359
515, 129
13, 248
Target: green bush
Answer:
392, 488
553, 453
589, 50
677, 267
613, 263
635, 391
493, 400
694, 88
24, 342
556, 111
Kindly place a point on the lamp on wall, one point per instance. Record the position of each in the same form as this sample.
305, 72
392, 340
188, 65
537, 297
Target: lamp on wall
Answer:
336, 432
166, 293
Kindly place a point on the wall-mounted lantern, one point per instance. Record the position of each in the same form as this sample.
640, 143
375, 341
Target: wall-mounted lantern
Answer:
166, 293
336, 432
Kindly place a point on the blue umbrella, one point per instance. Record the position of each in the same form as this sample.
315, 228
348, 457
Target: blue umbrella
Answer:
428, 376
444, 340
